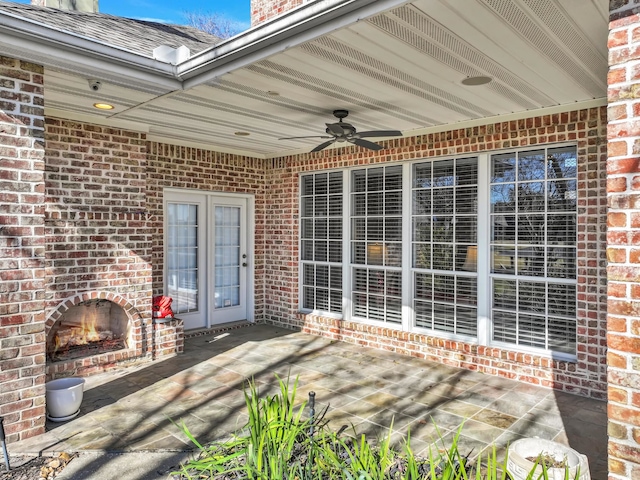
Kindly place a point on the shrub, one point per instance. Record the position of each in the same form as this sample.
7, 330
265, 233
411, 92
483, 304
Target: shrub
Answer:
278, 443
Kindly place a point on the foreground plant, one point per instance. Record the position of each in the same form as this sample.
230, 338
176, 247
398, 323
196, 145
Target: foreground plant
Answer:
275, 443
279, 444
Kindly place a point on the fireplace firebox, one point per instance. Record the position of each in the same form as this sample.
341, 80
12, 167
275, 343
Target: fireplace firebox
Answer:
88, 328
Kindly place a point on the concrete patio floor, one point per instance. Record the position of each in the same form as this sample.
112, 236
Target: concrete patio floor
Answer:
133, 410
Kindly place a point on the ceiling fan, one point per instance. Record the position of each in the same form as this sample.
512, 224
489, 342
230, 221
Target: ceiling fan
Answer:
345, 132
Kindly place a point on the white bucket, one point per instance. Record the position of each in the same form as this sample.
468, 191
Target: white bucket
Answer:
64, 397
519, 467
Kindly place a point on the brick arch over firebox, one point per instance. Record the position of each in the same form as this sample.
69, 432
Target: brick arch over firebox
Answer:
138, 337
134, 316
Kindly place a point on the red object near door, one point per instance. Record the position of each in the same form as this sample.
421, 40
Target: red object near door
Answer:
162, 306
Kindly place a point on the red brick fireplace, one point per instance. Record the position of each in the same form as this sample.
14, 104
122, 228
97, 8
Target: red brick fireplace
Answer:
99, 243
93, 331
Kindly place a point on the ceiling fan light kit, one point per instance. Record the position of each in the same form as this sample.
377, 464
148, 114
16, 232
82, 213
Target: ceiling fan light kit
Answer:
345, 132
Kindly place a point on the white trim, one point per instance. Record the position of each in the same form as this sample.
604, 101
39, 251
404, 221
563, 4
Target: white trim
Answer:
198, 317
457, 274
56, 47
159, 138
329, 264
100, 120
347, 304
517, 277
484, 292
483, 259
240, 203
408, 313
53, 47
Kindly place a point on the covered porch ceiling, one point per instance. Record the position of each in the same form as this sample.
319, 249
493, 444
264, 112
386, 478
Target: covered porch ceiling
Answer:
398, 68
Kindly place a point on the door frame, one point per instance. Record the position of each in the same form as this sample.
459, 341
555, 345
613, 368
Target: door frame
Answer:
208, 196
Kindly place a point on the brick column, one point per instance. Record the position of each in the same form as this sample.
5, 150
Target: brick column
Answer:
22, 339
263, 10
623, 240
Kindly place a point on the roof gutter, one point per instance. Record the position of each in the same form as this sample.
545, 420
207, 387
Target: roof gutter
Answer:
51, 47
289, 30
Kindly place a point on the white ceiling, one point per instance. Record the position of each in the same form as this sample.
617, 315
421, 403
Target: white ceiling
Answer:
401, 69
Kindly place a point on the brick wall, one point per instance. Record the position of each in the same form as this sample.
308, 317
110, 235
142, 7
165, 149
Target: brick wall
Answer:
281, 241
263, 10
168, 338
96, 219
623, 252
587, 128
98, 243
22, 337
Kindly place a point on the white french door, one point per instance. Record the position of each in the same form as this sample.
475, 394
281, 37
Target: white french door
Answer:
230, 260
207, 257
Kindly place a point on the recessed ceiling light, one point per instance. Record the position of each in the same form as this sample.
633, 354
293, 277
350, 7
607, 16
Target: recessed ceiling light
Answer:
476, 81
242, 134
273, 93
103, 106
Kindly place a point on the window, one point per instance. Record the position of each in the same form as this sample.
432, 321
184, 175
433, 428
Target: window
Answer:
423, 236
444, 227
376, 243
321, 241
533, 248
227, 227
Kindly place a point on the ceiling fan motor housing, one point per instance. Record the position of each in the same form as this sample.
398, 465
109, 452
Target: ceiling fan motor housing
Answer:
340, 114
347, 129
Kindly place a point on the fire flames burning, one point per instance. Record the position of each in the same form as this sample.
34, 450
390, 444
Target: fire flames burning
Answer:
83, 334
87, 332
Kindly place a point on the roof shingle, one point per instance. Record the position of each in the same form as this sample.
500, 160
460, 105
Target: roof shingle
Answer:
139, 36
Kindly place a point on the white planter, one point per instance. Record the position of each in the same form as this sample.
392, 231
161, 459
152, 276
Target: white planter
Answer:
519, 467
64, 397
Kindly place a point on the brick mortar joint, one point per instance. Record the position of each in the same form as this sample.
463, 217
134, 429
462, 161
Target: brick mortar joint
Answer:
431, 343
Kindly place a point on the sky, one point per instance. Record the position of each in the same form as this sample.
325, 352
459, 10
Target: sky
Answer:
172, 11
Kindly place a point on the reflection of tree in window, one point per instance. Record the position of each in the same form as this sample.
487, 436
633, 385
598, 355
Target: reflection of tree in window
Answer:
533, 234
444, 223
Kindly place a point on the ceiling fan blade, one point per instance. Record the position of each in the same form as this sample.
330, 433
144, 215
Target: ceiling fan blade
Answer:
324, 145
366, 144
335, 129
380, 133
309, 136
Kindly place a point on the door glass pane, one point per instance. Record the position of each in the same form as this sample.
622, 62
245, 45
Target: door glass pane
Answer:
182, 257
227, 257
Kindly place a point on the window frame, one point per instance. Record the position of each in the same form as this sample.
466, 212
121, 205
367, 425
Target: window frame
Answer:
302, 263
384, 267
458, 275
541, 280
